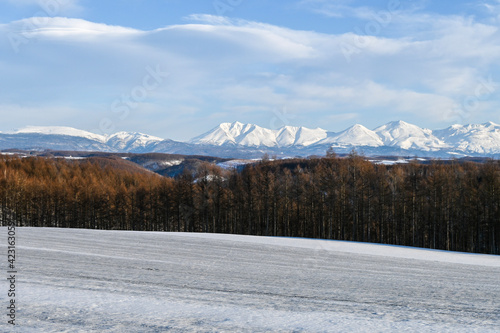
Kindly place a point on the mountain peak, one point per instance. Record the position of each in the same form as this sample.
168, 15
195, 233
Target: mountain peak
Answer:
490, 124
236, 123
356, 135
133, 136
408, 136
358, 127
132, 141
398, 124
228, 125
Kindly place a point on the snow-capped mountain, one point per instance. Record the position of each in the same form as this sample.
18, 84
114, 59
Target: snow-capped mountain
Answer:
394, 138
125, 141
250, 135
357, 135
60, 130
299, 136
238, 140
476, 139
407, 136
54, 138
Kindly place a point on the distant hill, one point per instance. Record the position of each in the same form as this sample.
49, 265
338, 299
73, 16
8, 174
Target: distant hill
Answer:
169, 165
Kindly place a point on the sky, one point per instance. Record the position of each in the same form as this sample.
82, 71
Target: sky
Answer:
176, 68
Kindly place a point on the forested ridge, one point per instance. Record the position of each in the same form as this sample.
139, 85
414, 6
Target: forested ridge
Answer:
453, 206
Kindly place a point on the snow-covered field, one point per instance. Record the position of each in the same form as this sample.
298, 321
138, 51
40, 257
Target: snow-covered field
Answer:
73, 280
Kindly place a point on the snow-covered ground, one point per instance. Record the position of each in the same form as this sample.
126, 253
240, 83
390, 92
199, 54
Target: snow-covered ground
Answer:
73, 280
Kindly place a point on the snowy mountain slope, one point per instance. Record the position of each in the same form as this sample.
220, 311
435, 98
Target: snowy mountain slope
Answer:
480, 139
67, 138
42, 141
223, 134
357, 135
132, 142
60, 130
408, 136
396, 138
96, 281
299, 136
256, 136
251, 135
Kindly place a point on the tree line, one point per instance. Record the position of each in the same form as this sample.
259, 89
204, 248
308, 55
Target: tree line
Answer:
452, 206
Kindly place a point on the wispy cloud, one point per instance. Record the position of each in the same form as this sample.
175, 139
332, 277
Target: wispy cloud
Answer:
50, 8
336, 9
210, 19
357, 9
65, 27
492, 9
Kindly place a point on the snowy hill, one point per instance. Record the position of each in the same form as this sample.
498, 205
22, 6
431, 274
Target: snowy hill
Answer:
238, 140
92, 280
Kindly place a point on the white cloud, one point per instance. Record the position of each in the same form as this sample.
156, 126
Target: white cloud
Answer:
255, 37
65, 27
492, 7
209, 19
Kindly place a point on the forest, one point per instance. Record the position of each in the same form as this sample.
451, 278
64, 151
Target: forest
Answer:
451, 206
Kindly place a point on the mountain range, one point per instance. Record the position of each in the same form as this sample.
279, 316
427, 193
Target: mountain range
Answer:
238, 140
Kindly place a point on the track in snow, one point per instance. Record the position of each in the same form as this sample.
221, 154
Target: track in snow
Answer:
74, 280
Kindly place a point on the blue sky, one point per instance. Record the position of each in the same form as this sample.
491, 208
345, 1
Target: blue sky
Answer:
175, 68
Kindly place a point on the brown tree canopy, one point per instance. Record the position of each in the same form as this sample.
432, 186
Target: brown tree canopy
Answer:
452, 206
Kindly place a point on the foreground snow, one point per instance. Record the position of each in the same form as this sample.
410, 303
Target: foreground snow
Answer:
73, 280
